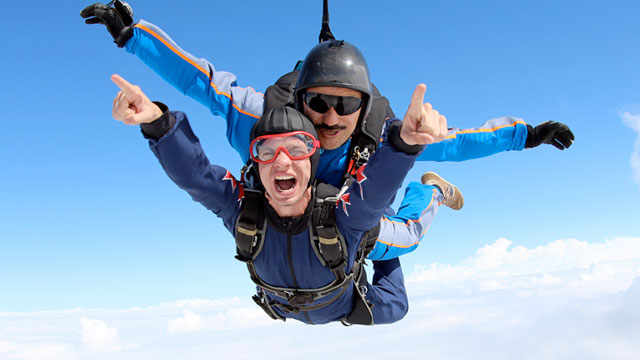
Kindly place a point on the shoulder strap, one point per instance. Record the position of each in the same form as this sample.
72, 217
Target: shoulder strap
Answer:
331, 247
248, 226
366, 138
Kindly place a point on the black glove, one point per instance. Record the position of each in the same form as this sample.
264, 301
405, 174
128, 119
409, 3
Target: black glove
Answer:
117, 20
550, 132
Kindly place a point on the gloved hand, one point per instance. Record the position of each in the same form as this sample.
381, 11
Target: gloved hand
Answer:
117, 20
550, 132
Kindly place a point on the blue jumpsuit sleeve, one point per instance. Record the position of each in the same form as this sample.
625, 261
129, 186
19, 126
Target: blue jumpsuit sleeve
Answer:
494, 136
183, 159
198, 79
401, 234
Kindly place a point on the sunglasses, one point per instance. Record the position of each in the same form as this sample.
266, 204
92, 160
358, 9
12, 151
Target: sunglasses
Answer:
297, 145
321, 103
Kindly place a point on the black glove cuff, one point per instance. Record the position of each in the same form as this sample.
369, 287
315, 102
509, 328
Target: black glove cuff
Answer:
125, 34
160, 126
393, 136
531, 138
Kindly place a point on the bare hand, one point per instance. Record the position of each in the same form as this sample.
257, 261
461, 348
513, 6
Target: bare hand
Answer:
422, 125
131, 105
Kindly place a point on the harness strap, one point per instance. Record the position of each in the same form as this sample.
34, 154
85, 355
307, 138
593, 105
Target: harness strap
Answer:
300, 297
360, 154
329, 246
369, 239
247, 235
297, 309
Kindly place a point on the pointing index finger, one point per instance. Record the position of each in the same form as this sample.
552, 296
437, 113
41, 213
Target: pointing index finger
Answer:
124, 85
417, 98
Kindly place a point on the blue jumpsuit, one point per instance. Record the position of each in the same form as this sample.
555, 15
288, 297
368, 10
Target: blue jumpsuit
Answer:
287, 258
242, 106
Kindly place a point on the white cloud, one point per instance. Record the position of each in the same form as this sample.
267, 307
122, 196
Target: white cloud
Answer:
565, 300
226, 314
569, 266
189, 322
97, 335
633, 121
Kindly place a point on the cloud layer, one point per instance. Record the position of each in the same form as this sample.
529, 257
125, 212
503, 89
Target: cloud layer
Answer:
565, 300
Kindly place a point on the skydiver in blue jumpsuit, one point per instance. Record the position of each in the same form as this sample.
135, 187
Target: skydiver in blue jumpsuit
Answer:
284, 151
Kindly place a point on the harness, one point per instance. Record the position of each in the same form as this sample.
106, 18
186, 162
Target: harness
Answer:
329, 247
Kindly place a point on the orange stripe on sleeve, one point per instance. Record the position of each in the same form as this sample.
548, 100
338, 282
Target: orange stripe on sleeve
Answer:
407, 223
396, 245
411, 220
155, 35
194, 64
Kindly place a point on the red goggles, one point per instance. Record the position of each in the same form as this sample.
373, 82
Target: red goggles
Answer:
298, 145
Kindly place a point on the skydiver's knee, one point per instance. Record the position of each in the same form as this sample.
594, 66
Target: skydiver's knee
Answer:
392, 310
403, 307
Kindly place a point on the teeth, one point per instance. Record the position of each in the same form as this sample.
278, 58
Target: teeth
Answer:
284, 177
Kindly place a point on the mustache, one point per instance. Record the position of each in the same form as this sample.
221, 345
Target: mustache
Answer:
324, 126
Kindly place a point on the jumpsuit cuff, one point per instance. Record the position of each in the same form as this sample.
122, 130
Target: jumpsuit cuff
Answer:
159, 127
397, 142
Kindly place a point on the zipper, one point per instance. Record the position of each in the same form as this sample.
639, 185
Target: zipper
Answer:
291, 269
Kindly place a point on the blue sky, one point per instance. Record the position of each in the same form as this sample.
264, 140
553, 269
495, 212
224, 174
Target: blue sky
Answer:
89, 220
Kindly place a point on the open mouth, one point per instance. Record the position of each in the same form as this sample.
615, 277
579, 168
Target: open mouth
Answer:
330, 133
285, 182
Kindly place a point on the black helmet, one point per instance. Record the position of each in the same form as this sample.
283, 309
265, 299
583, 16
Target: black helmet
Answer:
284, 119
335, 63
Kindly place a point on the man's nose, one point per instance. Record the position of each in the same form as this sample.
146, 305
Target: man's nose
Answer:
330, 117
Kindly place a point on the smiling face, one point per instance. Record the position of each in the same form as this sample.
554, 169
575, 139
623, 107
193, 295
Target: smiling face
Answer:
285, 181
333, 129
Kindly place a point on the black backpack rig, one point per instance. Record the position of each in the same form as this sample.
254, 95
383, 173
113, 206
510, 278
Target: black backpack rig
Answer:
326, 240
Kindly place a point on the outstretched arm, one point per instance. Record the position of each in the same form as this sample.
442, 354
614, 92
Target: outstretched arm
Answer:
179, 151
494, 136
194, 77
497, 135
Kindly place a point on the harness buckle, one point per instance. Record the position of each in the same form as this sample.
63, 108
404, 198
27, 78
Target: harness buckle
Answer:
300, 298
360, 156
